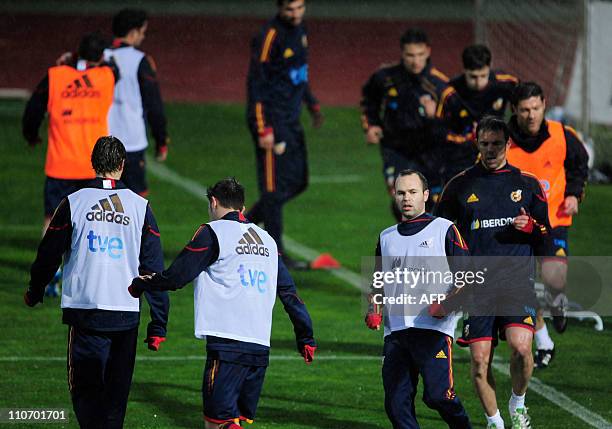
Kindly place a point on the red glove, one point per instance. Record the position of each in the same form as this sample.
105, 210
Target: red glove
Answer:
437, 310
308, 353
373, 320
154, 342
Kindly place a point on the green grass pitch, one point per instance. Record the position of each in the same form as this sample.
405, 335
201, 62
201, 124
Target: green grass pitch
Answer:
343, 388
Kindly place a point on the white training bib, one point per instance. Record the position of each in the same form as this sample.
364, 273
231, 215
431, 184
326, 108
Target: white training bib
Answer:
104, 254
423, 250
234, 297
125, 117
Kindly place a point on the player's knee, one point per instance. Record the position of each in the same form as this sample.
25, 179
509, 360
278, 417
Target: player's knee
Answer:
554, 274
480, 364
521, 349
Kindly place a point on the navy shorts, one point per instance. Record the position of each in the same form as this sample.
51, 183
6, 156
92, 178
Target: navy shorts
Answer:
560, 243
58, 189
230, 390
492, 315
133, 176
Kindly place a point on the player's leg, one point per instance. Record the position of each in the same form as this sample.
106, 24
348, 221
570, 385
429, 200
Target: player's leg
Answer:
134, 173
118, 375
521, 368
434, 353
88, 353
480, 334
221, 387
251, 390
400, 379
545, 346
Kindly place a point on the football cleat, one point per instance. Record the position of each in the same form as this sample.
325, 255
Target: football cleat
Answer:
293, 264
543, 358
558, 310
520, 419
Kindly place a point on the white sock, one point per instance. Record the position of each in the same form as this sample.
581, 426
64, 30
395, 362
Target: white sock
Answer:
497, 419
516, 401
543, 340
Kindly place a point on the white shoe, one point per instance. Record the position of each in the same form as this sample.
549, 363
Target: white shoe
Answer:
520, 419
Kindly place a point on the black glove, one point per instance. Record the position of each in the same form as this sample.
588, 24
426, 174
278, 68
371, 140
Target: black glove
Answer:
33, 296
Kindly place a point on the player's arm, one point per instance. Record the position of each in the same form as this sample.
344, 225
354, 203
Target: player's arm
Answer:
56, 241
196, 256
298, 314
373, 317
448, 116
153, 105
533, 220
152, 261
576, 166
264, 49
35, 112
372, 95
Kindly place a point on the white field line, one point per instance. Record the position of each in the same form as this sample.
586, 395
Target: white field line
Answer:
550, 393
273, 357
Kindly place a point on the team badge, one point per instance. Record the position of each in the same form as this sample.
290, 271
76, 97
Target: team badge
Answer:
498, 104
304, 41
392, 92
288, 53
463, 113
516, 196
473, 198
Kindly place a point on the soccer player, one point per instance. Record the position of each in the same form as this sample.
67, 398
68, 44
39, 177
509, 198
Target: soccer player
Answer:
556, 156
277, 85
406, 94
77, 96
477, 92
137, 99
415, 342
502, 212
107, 235
238, 275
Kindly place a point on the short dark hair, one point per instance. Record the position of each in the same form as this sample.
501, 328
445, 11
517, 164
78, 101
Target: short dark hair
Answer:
281, 3
92, 46
476, 57
410, 172
525, 90
128, 19
413, 35
493, 124
108, 155
229, 192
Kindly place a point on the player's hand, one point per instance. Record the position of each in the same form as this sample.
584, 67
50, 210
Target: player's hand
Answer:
161, 150
523, 222
570, 205
308, 353
429, 104
34, 142
31, 297
373, 320
138, 286
374, 134
316, 116
266, 139
154, 342
437, 310
64, 59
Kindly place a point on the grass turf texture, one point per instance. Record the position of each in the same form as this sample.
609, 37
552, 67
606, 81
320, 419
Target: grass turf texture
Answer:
210, 142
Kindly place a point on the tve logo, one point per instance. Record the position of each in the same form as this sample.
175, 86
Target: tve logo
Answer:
253, 278
112, 246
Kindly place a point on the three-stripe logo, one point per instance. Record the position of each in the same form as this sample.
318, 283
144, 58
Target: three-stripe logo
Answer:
252, 244
81, 87
108, 210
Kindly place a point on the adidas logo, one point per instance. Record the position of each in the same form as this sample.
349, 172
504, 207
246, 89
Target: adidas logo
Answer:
108, 210
81, 87
473, 199
441, 355
251, 244
428, 244
528, 320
